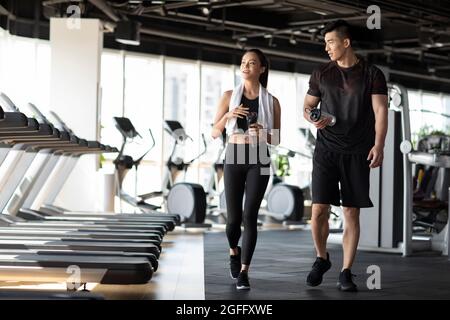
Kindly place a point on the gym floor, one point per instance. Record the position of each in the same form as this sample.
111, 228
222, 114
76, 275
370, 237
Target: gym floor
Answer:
194, 266
283, 259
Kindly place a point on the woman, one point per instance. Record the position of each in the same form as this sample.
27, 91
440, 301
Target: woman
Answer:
251, 117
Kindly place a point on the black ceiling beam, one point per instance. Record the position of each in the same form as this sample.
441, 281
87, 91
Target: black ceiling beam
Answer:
403, 8
248, 15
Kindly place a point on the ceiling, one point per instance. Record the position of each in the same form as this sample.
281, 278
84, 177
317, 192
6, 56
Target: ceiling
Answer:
413, 42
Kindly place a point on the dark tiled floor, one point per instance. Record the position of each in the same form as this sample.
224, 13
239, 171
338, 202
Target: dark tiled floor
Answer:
283, 259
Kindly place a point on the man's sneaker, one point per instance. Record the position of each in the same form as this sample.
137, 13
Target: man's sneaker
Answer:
345, 282
235, 264
242, 281
319, 267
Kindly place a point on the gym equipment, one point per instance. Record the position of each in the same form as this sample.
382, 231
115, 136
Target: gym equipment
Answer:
123, 163
188, 200
214, 189
108, 269
103, 238
431, 182
390, 226
216, 171
285, 202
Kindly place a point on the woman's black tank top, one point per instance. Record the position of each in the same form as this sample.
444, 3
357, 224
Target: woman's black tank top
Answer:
253, 107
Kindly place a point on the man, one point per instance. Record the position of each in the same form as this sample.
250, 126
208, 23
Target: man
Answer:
356, 94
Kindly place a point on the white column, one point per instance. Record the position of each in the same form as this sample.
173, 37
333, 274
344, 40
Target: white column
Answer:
74, 96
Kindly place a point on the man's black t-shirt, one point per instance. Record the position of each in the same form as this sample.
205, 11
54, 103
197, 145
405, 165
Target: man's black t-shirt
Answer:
347, 93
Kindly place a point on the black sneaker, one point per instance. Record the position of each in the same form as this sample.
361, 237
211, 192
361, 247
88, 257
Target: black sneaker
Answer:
319, 268
235, 264
345, 282
242, 281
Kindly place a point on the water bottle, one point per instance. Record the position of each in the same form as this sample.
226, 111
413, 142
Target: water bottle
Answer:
252, 118
317, 114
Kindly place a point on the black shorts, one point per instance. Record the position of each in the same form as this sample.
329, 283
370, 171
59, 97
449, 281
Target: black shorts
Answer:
352, 171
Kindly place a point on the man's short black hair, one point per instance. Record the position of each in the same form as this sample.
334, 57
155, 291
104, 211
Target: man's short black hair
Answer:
341, 27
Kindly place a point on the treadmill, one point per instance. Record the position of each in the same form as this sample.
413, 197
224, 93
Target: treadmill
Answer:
41, 267
76, 235
50, 181
45, 205
113, 245
16, 162
28, 224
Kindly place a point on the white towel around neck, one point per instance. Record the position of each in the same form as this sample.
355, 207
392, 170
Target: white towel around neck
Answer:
265, 108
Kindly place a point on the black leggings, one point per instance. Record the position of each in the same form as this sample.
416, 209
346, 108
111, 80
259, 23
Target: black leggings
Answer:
246, 170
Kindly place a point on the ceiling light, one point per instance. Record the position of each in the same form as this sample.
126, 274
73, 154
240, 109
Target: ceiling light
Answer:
127, 32
206, 11
292, 40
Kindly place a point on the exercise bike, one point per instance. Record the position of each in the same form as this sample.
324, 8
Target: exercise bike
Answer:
123, 163
186, 199
284, 202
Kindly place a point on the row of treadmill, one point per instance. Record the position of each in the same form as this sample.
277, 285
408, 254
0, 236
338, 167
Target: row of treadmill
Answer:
42, 243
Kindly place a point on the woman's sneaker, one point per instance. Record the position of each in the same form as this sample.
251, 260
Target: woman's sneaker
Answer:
319, 268
235, 264
345, 282
242, 281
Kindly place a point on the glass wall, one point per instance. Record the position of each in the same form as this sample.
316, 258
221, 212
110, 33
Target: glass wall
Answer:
428, 112
112, 82
215, 80
182, 104
25, 71
149, 89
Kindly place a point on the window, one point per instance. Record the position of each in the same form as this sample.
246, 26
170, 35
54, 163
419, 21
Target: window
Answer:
25, 76
18, 70
215, 80
428, 112
43, 62
182, 103
415, 114
446, 103
132, 87
111, 94
143, 106
302, 89
143, 101
283, 86
433, 104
